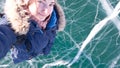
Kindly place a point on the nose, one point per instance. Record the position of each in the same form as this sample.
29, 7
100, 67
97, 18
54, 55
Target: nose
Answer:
45, 10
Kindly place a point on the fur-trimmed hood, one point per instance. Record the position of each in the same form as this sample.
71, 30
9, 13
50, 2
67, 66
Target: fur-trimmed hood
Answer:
21, 25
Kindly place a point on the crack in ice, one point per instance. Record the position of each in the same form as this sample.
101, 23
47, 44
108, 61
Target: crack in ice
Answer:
4, 66
109, 10
56, 63
114, 61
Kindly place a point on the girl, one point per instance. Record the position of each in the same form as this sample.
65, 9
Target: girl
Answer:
29, 28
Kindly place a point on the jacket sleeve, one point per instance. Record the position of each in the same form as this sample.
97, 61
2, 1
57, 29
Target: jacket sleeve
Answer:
51, 34
47, 49
7, 37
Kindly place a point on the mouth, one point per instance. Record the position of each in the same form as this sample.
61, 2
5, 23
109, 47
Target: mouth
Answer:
41, 14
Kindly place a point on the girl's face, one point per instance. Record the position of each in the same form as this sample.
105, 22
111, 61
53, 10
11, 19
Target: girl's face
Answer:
40, 9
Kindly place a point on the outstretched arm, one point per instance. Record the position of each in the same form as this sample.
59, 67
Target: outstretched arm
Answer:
7, 37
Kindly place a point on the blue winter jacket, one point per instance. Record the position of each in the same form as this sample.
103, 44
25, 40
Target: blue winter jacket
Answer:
35, 42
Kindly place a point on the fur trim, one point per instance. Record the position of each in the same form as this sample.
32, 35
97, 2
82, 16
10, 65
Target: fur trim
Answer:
18, 24
61, 21
21, 25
